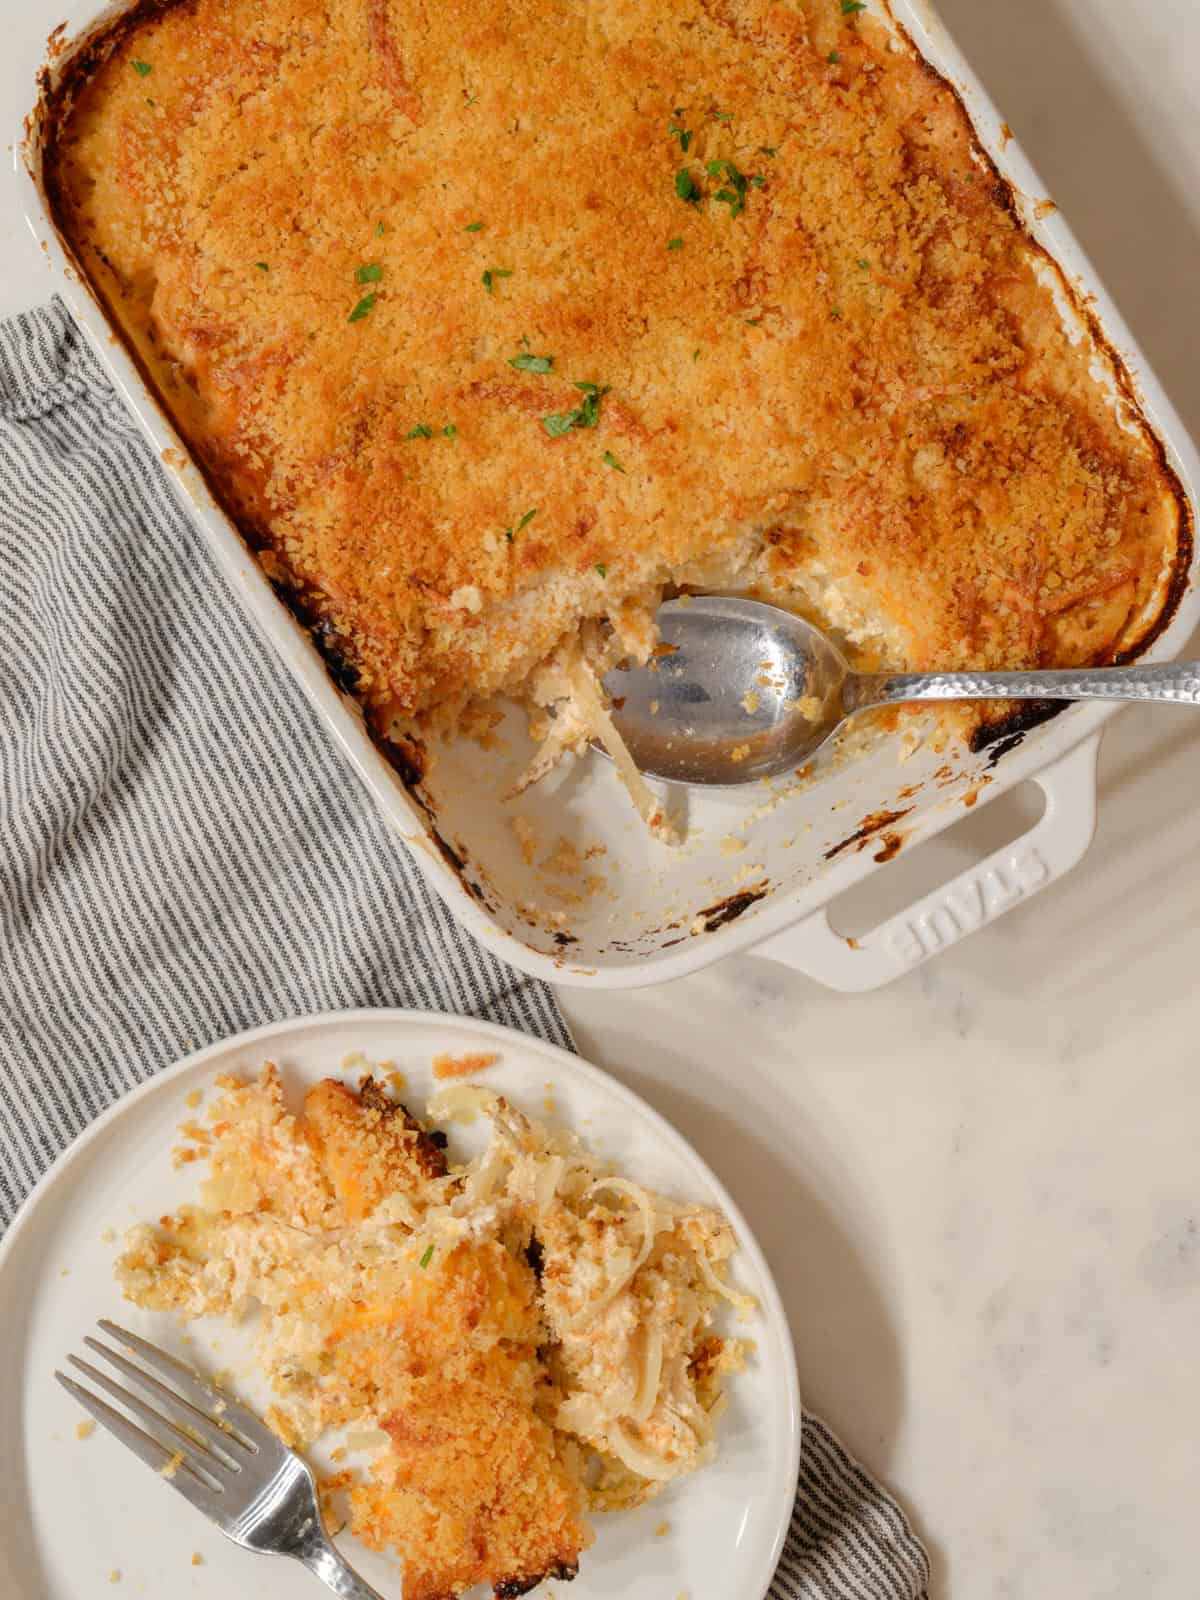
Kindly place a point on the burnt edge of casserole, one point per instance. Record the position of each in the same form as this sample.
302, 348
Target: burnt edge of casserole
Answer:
999, 734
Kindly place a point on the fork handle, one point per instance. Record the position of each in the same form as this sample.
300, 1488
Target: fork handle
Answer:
323, 1561
1175, 683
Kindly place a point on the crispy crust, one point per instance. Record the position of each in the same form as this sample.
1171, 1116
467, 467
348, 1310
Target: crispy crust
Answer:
368, 1145
885, 419
474, 1487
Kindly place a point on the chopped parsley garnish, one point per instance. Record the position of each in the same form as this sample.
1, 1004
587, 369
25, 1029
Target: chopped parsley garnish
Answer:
369, 272
532, 363
420, 432
675, 244
523, 523
695, 355
491, 275
361, 309
836, 314
379, 230
450, 431
834, 59
602, 569
723, 116
733, 196
142, 68
768, 150
864, 266
473, 227
685, 187
851, 7
677, 131
590, 409
758, 180
428, 1256
263, 266
610, 460
585, 415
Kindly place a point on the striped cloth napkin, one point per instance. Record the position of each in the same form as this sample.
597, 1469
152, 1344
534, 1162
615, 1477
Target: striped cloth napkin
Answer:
183, 852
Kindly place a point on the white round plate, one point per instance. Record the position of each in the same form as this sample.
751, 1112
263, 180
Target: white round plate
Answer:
77, 1511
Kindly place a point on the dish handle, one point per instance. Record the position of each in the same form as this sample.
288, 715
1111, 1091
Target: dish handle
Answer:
979, 895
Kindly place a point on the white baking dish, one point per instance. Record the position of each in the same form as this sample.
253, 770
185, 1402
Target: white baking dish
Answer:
613, 908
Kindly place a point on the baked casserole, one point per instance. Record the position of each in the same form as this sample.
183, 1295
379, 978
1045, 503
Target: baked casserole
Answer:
491, 322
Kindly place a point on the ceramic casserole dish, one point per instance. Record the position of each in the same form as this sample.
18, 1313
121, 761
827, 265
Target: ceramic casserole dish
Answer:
601, 902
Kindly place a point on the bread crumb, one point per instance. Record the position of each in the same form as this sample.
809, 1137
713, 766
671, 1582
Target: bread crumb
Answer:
739, 752
526, 837
396, 1081
108, 1236
84, 1430
115, 1575
564, 858
731, 845
549, 1104
750, 702
197, 1559
662, 1530
194, 1099
463, 1066
171, 1467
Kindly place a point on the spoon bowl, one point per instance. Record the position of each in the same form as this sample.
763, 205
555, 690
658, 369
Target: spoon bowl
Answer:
739, 690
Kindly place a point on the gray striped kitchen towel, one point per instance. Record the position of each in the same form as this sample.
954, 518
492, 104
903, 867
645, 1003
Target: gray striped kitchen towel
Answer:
183, 852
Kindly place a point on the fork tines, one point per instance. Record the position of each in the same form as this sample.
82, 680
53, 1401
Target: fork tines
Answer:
191, 1433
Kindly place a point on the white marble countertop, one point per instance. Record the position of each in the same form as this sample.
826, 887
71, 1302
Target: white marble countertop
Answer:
979, 1188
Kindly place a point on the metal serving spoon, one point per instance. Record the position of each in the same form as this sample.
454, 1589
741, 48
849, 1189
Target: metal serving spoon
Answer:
743, 690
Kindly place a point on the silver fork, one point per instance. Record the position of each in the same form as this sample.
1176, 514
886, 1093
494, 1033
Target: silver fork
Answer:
217, 1453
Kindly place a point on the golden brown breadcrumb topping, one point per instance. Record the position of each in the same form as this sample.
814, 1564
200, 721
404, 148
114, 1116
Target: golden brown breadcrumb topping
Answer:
366, 248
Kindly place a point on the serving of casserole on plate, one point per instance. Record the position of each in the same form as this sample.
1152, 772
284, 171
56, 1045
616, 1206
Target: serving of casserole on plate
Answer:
505, 1357
491, 325
520, 1337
